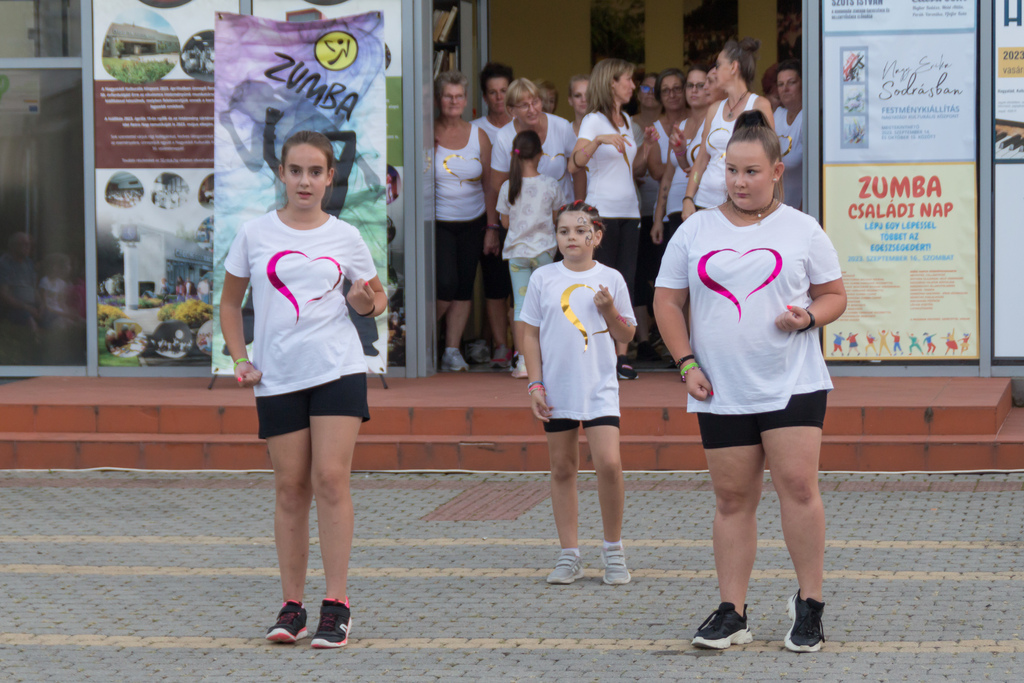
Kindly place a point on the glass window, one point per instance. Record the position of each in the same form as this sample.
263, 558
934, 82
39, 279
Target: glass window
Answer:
40, 28
42, 210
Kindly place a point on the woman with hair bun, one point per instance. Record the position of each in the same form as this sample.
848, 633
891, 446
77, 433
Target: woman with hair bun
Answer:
754, 373
735, 70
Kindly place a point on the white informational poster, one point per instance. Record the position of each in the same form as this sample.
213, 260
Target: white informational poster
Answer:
900, 177
870, 16
1008, 323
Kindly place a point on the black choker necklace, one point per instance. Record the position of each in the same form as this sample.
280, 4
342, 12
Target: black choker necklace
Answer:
755, 212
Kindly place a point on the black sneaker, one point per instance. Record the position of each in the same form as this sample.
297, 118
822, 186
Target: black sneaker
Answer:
723, 628
624, 369
291, 624
645, 351
335, 622
807, 633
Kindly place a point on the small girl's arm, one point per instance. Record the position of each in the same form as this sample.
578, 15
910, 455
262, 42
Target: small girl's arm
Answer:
618, 327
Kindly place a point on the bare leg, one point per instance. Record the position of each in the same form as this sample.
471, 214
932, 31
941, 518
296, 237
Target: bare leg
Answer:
497, 317
518, 331
564, 452
737, 475
291, 456
455, 323
334, 439
442, 308
604, 449
643, 323
792, 454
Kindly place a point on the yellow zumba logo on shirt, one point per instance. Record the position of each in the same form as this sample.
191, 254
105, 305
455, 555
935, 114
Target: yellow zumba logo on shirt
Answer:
336, 50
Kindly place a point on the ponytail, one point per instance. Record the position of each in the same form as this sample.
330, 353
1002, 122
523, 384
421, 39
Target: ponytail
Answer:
526, 145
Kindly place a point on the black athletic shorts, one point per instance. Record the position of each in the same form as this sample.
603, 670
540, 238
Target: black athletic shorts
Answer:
564, 425
287, 413
726, 431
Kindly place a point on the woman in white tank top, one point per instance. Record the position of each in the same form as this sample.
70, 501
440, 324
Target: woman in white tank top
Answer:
735, 70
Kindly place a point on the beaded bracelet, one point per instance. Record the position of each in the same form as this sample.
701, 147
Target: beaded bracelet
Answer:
240, 361
686, 368
679, 363
533, 386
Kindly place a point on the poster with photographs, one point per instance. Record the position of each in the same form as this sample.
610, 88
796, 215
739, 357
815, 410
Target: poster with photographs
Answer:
316, 10
153, 68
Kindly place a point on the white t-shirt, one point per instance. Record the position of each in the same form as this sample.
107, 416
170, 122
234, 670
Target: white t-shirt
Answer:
791, 139
458, 181
610, 186
577, 351
557, 147
303, 334
712, 190
484, 124
531, 231
680, 179
55, 294
647, 185
739, 281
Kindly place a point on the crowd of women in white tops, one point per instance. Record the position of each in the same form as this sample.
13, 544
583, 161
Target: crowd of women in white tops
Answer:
673, 149
741, 282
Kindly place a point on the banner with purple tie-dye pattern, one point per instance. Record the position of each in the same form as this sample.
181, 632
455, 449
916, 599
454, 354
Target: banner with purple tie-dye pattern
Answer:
276, 78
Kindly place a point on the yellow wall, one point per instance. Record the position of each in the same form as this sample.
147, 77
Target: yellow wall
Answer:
543, 39
550, 39
663, 30
759, 19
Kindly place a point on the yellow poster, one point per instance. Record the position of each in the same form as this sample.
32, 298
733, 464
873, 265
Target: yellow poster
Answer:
907, 241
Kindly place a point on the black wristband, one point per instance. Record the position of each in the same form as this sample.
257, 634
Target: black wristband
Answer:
810, 325
679, 363
366, 315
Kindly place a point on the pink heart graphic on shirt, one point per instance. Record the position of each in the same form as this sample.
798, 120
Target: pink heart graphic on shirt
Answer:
280, 286
717, 287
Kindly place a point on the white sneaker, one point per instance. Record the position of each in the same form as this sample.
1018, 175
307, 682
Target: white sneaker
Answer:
501, 357
477, 352
452, 361
568, 568
519, 370
614, 562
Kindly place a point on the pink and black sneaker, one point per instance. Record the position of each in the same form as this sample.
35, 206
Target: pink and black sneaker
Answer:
291, 624
335, 623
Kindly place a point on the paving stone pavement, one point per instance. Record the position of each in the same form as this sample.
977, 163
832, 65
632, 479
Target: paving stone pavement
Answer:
164, 576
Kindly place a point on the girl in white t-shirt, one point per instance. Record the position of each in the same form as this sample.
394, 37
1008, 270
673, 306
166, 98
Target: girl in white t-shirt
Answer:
308, 372
527, 202
760, 277
572, 320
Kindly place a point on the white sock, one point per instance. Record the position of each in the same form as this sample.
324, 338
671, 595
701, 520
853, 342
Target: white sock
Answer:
574, 551
610, 545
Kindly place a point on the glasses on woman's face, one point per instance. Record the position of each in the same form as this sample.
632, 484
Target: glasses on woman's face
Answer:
676, 91
524, 107
646, 89
697, 86
453, 98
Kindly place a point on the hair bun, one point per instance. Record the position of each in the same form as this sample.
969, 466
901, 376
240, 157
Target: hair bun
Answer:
749, 44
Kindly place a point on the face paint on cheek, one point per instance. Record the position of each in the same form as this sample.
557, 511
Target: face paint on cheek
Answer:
590, 238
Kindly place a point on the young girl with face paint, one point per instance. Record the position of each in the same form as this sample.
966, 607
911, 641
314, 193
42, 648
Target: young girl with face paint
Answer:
760, 277
307, 371
575, 311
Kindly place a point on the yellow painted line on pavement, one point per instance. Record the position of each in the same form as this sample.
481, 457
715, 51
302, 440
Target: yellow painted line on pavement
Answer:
490, 573
517, 542
504, 644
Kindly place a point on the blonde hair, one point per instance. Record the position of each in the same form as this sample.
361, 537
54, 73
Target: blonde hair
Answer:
599, 90
519, 90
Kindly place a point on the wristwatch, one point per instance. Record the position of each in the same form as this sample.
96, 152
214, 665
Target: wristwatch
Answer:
810, 325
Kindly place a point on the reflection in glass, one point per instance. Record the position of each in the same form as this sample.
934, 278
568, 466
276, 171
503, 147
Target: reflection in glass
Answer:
40, 28
42, 267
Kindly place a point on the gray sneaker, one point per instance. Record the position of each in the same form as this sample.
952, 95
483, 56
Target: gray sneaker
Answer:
452, 361
614, 561
568, 568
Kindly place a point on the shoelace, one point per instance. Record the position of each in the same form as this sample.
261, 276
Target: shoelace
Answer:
714, 620
328, 621
811, 625
286, 618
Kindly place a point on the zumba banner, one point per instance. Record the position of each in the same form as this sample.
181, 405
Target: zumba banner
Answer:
899, 144
153, 93
277, 78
